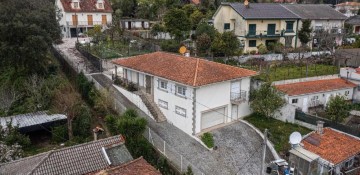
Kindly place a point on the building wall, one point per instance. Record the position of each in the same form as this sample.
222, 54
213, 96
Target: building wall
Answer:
352, 77
135, 24
323, 97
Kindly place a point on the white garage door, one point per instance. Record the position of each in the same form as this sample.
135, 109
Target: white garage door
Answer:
212, 118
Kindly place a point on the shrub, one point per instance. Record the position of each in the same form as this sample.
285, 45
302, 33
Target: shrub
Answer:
131, 87
208, 139
262, 49
59, 134
253, 52
110, 121
82, 122
170, 46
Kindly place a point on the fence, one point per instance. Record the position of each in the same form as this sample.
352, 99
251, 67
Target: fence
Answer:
176, 160
95, 61
307, 118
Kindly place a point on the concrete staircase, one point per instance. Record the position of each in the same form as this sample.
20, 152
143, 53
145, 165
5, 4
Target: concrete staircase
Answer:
152, 107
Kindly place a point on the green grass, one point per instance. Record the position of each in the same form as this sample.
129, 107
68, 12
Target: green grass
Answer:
279, 131
293, 72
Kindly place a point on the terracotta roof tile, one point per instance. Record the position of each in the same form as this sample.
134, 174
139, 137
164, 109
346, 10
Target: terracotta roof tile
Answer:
309, 87
86, 6
187, 70
333, 146
135, 167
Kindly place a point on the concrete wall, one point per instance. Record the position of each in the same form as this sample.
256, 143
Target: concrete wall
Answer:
286, 113
325, 77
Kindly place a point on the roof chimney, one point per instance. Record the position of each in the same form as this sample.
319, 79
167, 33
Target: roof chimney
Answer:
320, 127
246, 3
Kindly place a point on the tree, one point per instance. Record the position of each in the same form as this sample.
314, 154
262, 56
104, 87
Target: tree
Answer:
204, 27
11, 143
96, 34
128, 7
304, 32
196, 17
177, 23
266, 100
225, 43
8, 97
156, 29
27, 30
203, 43
337, 109
131, 125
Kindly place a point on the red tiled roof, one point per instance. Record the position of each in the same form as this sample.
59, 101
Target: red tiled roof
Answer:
196, 2
187, 70
349, 4
309, 87
333, 146
135, 167
87, 6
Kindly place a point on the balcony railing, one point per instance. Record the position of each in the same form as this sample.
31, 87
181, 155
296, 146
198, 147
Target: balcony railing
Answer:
315, 103
264, 33
237, 97
85, 23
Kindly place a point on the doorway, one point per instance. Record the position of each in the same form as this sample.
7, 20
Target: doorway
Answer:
148, 84
234, 112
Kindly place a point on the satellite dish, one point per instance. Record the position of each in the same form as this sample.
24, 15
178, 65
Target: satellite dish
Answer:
295, 138
182, 50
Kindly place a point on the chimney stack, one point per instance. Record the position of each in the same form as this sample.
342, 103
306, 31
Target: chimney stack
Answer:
320, 127
246, 3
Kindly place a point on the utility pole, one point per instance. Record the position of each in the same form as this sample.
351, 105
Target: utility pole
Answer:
264, 153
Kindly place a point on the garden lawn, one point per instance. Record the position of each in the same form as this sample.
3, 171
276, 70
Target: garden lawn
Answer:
279, 131
293, 72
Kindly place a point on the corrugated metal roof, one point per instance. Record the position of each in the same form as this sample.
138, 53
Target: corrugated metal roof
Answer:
31, 119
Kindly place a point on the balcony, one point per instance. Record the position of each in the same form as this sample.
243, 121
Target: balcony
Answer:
84, 23
315, 103
237, 97
264, 34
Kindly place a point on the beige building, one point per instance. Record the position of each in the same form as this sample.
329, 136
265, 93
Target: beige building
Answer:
258, 23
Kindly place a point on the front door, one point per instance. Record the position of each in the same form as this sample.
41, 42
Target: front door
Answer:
129, 25
75, 20
357, 29
90, 20
103, 20
234, 112
271, 29
252, 29
148, 84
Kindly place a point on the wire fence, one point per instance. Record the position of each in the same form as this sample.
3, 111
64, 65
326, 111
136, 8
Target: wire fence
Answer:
176, 159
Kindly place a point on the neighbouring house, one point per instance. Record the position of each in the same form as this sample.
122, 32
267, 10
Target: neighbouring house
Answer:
138, 166
354, 21
326, 151
352, 75
193, 94
348, 57
135, 24
323, 19
348, 8
311, 94
78, 16
258, 23
78, 159
30, 122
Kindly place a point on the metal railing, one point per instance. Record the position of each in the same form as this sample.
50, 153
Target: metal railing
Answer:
314, 103
264, 33
237, 97
85, 23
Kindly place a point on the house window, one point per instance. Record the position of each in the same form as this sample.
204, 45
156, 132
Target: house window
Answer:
76, 5
347, 93
163, 104
289, 26
163, 85
180, 111
315, 98
180, 90
295, 100
252, 43
349, 163
226, 26
100, 5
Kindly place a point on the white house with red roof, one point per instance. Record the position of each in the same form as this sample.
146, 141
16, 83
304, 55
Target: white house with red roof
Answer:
193, 94
352, 75
326, 151
308, 94
83, 15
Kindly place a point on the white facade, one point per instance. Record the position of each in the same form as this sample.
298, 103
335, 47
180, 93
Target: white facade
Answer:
131, 24
85, 20
352, 76
200, 108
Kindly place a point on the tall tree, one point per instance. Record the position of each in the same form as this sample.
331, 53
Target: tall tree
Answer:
266, 100
177, 23
337, 109
27, 30
204, 27
196, 17
304, 32
225, 43
203, 44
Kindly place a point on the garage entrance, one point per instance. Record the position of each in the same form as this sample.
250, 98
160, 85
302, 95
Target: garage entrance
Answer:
213, 117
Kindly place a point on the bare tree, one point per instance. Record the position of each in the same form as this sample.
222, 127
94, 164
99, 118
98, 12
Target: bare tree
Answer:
7, 98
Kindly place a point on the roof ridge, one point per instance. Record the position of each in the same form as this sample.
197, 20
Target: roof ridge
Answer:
283, 5
41, 162
25, 158
196, 71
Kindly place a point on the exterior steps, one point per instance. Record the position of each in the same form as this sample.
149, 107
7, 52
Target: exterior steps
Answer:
152, 107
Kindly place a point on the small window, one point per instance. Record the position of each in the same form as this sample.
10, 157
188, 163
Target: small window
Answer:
76, 5
226, 26
180, 90
252, 43
163, 104
289, 26
100, 5
347, 93
295, 100
162, 85
180, 111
